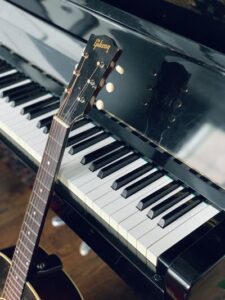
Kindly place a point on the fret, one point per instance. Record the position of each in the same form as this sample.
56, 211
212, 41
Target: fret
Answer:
28, 232
26, 248
20, 271
46, 172
17, 279
39, 197
10, 291
54, 140
35, 209
31, 217
42, 184
51, 156
26, 235
50, 161
44, 178
15, 290
29, 228
39, 190
18, 258
76, 102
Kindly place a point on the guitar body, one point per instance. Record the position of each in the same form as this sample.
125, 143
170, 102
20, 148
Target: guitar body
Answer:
53, 286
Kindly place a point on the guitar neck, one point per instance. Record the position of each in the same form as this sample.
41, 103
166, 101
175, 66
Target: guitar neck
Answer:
89, 77
36, 210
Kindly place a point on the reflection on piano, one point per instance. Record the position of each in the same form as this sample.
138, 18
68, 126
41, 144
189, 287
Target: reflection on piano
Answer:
142, 181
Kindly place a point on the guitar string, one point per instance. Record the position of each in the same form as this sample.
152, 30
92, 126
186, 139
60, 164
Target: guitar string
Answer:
29, 206
15, 260
67, 96
18, 257
75, 104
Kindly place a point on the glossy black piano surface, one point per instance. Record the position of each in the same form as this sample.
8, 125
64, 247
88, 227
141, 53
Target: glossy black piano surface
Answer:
169, 104
183, 119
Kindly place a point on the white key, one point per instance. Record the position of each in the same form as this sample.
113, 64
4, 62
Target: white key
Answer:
124, 211
102, 185
156, 233
145, 227
139, 216
109, 194
10, 72
14, 85
173, 237
72, 170
89, 183
104, 196
120, 203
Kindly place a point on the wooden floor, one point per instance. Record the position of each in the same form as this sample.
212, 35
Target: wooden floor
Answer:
93, 277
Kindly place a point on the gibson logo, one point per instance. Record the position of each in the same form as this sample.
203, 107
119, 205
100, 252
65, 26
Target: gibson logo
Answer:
100, 44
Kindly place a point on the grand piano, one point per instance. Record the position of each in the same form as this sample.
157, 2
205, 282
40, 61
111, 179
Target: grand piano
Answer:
142, 181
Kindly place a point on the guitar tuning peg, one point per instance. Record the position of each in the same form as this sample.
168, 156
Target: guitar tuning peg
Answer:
110, 87
119, 69
99, 104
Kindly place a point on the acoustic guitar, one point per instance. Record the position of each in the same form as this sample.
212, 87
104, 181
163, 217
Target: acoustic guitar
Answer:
89, 77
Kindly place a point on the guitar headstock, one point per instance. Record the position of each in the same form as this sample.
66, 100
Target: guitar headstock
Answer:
98, 60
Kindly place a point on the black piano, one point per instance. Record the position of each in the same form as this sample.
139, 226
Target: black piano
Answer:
142, 181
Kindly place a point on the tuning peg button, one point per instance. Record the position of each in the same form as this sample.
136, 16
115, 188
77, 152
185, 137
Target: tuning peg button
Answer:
119, 69
110, 87
99, 104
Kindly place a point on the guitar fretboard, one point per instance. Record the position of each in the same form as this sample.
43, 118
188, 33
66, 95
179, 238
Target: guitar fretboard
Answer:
36, 210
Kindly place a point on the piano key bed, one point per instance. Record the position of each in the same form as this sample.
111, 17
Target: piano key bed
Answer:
142, 205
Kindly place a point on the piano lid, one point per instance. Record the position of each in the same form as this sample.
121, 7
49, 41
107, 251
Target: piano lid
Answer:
200, 20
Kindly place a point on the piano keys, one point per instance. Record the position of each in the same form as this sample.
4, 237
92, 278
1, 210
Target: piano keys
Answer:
118, 208
118, 169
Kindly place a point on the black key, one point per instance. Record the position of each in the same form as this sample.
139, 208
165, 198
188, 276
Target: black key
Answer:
47, 128
20, 90
117, 165
80, 123
11, 79
75, 125
39, 105
38, 112
118, 183
150, 199
88, 142
166, 204
101, 162
100, 152
3, 63
5, 68
178, 212
26, 93
140, 184
19, 100
44, 122
81, 136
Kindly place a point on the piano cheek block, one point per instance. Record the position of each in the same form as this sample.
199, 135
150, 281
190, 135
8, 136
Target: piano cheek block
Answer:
210, 287
200, 269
